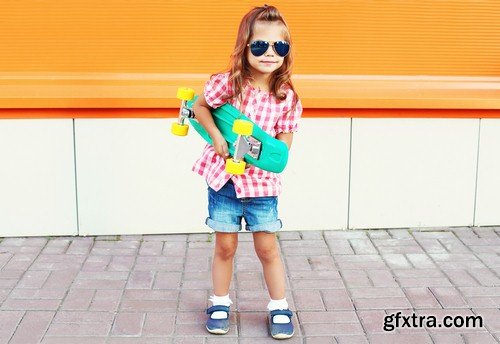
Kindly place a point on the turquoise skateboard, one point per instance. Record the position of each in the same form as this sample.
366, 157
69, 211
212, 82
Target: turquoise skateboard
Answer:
246, 140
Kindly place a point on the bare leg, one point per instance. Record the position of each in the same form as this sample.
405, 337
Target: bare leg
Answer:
267, 250
222, 265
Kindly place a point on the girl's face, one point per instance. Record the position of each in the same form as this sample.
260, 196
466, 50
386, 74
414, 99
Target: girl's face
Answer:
266, 64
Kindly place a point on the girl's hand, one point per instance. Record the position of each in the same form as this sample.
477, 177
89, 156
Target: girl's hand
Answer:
220, 146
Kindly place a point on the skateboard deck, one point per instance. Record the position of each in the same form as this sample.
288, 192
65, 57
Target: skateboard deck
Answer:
258, 149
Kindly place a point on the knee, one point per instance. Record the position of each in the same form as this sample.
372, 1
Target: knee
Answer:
226, 251
267, 254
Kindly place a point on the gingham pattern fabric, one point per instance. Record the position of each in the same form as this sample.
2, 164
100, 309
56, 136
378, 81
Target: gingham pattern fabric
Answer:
271, 114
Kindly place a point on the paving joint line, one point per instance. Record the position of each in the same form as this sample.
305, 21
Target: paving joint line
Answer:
453, 285
346, 287
179, 290
475, 254
118, 307
20, 278
292, 289
396, 279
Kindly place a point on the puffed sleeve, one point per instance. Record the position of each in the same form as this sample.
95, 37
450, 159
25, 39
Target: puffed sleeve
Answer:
289, 121
217, 90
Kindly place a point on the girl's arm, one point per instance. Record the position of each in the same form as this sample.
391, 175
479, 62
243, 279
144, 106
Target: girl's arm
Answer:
286, 137
204, 117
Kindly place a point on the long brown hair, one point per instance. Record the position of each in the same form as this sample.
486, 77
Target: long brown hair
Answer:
239, 68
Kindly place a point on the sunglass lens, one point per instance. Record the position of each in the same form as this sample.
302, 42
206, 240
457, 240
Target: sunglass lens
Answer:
282, 48
259, 48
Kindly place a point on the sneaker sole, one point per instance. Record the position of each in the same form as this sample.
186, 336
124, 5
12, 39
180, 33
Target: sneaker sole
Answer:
283, 336
217, 331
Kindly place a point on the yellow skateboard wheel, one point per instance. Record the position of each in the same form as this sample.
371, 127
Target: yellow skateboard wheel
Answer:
242, 127
185, 93
179, 129
235, 167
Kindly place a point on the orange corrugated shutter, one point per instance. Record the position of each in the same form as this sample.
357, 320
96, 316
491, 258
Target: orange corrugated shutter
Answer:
426, 37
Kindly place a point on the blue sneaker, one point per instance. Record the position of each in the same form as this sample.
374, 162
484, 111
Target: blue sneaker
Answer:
281, 331
217, 326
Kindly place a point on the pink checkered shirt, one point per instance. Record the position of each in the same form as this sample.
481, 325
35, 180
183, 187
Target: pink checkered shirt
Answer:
269, 113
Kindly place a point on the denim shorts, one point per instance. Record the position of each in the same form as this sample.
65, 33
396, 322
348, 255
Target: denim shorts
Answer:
225, 211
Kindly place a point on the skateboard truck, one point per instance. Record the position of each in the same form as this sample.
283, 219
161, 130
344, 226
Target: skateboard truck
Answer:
247, 145
179, 128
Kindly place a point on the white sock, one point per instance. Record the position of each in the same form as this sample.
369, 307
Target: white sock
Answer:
220, 301
279, 304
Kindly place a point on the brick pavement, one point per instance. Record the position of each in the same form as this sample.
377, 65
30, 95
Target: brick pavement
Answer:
342, 284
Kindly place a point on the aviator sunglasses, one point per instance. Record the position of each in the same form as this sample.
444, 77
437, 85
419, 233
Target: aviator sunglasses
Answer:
259, 48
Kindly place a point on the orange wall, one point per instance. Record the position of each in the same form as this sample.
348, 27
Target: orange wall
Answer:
308, 113
425, 37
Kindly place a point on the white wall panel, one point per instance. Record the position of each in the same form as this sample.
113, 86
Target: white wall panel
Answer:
413, 172
135, 177
37, 178
488, 189
316, 180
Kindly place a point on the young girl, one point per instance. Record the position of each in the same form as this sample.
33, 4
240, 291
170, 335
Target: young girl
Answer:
258, 83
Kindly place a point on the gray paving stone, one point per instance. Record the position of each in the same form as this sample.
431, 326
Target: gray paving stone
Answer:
419, 338
106, 300
174, 248
320, 340
400, 233
483, 301
9, 320
356, 278
449, 297
396, 261
340, 284
432, 246
460, 278
128, 324
491, 318
151, 248
328, 317
365, 261
167, 280
337, 299
30, 304
311, 235
382, 303
351, 339
382, 278
340, 246
32, 328
333, 329
363, 246
421, 298
447, 338
378, 234
309, 300
420, 260
140, 280
38, 293
485, 338
372, 320
56, 246
375, 292
74, 340
298, 263
304, 247
317, 284
78, 299
346, 234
